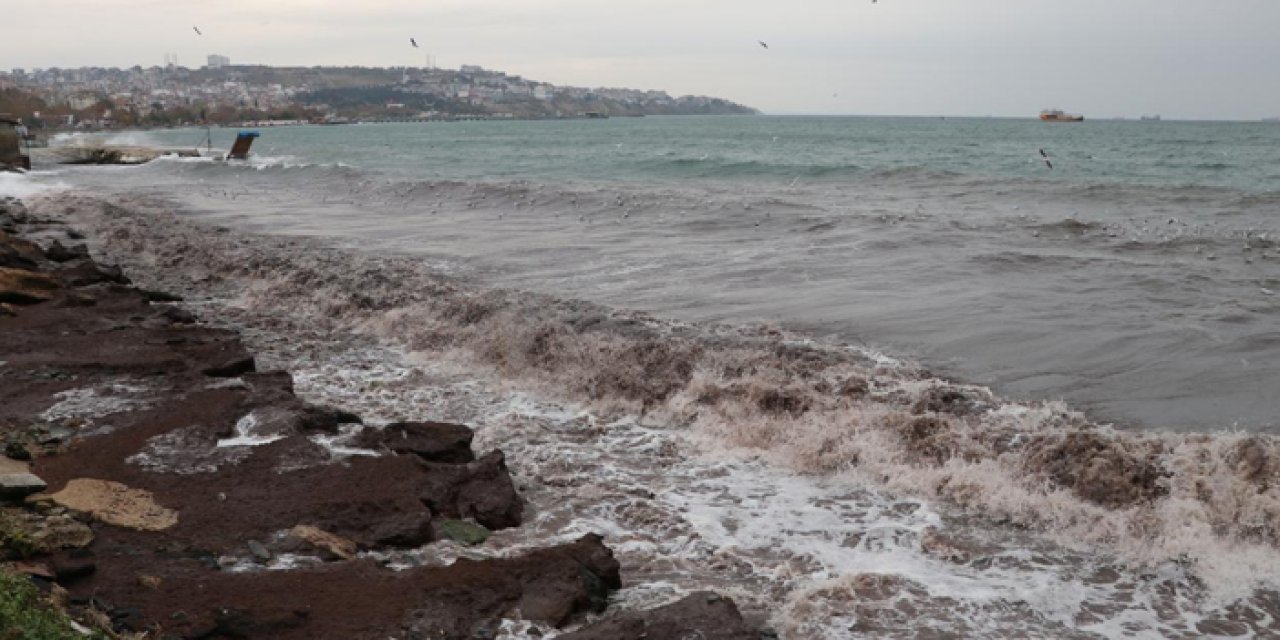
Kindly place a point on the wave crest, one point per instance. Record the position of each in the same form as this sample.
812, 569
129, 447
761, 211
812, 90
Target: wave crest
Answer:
1211, 500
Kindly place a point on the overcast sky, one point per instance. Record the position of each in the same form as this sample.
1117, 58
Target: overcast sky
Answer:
1103, 58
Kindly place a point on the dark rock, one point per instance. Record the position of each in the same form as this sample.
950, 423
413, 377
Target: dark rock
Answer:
431, 441
405, 530
704, 615
230, 367
260, 553
555, 598
14, 487
481, 490
10, 257
17, 451
72, 565
59, 253
72, 300
244, 623
323, 419
151, 295
376, 524
88, 272
178, 315
20, 286
461, 531
127, 620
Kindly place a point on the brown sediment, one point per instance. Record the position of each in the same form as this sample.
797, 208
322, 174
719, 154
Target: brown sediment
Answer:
133, 411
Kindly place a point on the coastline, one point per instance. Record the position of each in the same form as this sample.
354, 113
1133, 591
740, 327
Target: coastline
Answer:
193, 496
1024, 466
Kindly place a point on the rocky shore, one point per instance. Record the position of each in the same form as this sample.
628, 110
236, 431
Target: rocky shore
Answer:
156, 484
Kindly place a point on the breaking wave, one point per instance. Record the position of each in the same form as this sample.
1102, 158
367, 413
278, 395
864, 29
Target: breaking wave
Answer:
1207, 501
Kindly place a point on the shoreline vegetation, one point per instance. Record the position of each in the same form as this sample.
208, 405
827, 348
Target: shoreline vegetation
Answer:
157, 484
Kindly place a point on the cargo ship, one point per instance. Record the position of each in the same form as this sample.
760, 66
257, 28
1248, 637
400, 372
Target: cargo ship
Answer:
1056, 115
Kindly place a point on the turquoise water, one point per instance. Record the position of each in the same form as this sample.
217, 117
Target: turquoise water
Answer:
779, 149
1137, 278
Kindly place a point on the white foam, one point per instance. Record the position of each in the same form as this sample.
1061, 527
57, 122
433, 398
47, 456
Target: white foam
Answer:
246, 436
25, 185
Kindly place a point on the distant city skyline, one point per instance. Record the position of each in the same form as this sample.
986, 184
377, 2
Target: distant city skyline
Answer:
894, 57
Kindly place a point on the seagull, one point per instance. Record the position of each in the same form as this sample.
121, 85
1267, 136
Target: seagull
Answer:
197, 30
763, 44
413, 42
1046, 159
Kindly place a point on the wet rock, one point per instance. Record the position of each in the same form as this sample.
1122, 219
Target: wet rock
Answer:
431, 441
178, 315
25, 534
10, 257
14, 487
115, 504
322, 419
17, 450
330, 546
57, 252
231, 366
88, 272
61, 532
19, 286
1101, 470
71, 565
481, 490
404, 530
151, 295
19, 253
556, 598
259, 552
461, 531
77, 300
703, 615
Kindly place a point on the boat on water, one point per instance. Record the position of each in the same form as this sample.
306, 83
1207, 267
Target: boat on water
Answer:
1153, 118
1057, 115
1271, 119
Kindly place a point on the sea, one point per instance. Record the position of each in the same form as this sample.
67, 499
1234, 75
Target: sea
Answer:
870, 376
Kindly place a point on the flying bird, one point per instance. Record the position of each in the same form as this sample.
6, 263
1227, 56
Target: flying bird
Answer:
763, 44
1045, 156
197, 30
413, 42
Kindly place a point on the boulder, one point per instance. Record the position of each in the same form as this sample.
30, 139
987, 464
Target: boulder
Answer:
481, 490
555, 597
330, 546
703, 615
57, 252
115, 504
88, 272
461, 531
18, 252
72, 564
15, 487
19, 286
431, 441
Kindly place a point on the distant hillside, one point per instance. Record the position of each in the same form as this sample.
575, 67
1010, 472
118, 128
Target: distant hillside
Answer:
474, 90
95, 97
